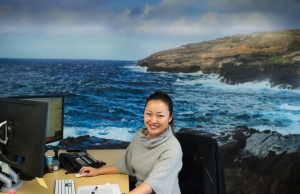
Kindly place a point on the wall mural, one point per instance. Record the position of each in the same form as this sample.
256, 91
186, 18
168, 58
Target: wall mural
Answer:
232, 71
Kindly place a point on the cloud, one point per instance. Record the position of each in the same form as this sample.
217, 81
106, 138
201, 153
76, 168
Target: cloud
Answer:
159, 24
209, 26
166, 18
169, 9
237, 6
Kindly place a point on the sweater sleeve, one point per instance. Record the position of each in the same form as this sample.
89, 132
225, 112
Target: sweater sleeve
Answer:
165, 171
124, 164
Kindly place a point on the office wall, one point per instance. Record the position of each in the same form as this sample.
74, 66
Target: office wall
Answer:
231, 67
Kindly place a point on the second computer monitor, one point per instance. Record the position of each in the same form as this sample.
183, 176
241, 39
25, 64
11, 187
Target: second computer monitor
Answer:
55, 120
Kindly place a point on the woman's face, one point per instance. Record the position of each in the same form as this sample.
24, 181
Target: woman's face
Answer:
156, 117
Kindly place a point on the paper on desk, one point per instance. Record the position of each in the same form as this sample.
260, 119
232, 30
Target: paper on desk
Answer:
42, 182
103, 189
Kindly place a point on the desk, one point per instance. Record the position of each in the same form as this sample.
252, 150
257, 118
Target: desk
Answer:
108, 156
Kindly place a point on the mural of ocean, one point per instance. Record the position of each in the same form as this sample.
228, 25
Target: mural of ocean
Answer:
106, 98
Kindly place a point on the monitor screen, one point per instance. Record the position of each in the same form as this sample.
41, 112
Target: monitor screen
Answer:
55, 121
22, 134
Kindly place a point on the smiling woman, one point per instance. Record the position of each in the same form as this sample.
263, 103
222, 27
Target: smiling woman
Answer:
154, 154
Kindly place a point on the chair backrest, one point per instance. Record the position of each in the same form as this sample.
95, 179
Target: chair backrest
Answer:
202, 171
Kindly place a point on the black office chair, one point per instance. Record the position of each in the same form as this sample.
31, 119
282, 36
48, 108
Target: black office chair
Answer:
202, 171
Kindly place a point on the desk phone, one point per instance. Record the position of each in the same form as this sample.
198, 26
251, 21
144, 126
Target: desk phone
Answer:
73, 162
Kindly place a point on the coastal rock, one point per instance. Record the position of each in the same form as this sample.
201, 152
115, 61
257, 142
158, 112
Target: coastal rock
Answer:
237, 59
272, 174
285, 75
87, 142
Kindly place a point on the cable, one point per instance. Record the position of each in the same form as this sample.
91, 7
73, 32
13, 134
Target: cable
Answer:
4, 122
4, 141
5, 159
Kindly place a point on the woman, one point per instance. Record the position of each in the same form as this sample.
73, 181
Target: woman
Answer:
154, 156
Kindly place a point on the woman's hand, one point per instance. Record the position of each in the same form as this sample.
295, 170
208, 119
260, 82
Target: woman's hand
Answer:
89, 171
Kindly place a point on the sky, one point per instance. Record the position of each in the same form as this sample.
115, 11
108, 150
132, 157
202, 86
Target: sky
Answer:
131, 29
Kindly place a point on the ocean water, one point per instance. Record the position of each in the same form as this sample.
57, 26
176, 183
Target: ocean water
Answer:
106, 98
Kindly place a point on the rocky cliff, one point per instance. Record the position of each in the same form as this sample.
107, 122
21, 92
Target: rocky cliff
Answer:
239, 58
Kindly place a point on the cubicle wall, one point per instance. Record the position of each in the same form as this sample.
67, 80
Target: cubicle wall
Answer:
232, 72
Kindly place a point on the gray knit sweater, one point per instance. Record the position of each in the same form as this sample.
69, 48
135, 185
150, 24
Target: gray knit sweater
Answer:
155, 161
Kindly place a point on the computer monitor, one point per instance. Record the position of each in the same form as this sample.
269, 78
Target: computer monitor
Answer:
55, 121
22, 146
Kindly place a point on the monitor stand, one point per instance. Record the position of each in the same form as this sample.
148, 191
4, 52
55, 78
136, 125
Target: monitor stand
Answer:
10, 183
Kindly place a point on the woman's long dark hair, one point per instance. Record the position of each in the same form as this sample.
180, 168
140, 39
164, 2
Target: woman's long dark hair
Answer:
159, 95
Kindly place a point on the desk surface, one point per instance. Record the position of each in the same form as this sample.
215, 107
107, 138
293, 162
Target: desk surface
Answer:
108, 156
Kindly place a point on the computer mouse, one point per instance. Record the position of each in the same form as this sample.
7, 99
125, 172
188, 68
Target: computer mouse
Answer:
79, 175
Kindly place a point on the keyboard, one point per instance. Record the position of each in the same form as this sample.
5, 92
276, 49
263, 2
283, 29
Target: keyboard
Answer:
64, 187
